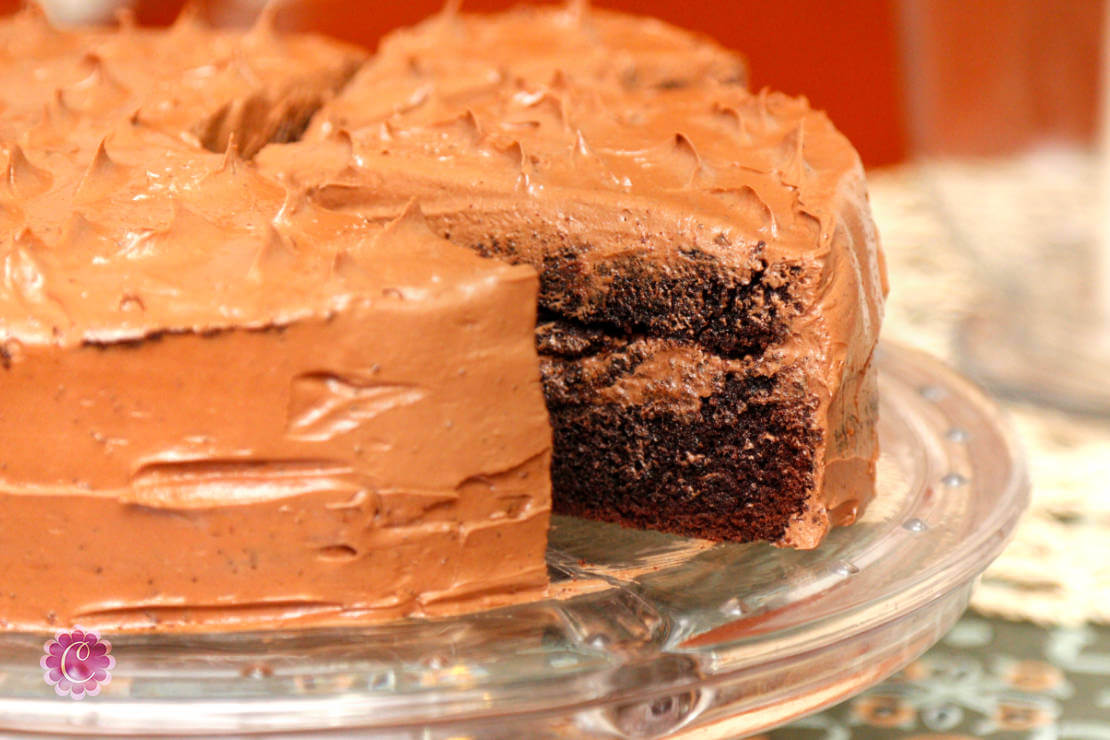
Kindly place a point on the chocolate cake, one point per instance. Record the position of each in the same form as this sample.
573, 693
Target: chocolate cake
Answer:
710, 279
295, 337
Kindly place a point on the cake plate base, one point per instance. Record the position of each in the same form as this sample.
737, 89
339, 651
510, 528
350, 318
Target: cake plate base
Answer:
650, 635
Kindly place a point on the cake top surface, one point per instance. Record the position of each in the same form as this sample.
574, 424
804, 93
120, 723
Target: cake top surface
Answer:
459, 53
762, 165
460, 103
144, 233
189, 80
117, 222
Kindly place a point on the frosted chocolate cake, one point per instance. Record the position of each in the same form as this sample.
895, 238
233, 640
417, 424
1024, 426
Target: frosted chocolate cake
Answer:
270, 313
710, 279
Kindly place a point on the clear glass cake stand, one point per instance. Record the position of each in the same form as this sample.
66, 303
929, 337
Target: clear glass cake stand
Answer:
653, 635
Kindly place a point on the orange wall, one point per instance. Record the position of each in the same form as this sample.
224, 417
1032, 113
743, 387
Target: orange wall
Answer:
841, 55
1023, 74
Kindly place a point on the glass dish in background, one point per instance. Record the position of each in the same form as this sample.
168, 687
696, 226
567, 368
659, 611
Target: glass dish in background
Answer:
1004, 101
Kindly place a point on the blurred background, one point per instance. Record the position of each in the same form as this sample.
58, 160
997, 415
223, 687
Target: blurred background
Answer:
984, 126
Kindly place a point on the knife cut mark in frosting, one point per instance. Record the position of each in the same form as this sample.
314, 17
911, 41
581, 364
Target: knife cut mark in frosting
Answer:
202, 483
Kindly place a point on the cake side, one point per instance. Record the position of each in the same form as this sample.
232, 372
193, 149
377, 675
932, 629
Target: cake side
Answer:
291, 495
230, 408
730, 224
850, 288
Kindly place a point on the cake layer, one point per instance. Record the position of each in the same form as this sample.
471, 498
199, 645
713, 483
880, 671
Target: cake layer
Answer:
228, 407
733, 222
738, 438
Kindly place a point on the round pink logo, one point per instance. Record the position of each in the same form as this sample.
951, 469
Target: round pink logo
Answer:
77, 663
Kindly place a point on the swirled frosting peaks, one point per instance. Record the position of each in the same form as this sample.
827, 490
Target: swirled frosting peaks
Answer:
758, 160
193, 79
199, 240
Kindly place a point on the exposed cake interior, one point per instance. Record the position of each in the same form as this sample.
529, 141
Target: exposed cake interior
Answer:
710, 282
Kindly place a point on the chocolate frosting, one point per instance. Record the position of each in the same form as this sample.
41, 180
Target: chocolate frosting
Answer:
461, 54
545, 153
206, 84
229, 407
